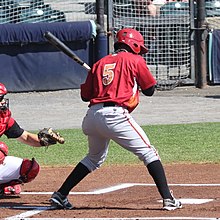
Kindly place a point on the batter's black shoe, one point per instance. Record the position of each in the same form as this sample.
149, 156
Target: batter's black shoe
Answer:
171, 204
60, 201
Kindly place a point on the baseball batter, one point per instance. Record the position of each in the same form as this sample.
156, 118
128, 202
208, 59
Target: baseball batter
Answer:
112, 90
15, 171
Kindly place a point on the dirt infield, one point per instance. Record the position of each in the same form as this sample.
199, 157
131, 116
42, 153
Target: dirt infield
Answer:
136, 200
127, 191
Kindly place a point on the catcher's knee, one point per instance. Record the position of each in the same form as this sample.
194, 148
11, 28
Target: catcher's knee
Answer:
29, 170
3, 151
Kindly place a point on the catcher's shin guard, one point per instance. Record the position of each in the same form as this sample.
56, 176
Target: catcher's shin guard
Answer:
29, 170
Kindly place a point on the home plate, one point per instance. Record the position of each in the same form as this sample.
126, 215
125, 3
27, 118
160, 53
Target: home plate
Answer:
194, 201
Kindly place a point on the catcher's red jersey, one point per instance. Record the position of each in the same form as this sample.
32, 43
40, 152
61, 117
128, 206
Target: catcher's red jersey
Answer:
117, 78
5, 121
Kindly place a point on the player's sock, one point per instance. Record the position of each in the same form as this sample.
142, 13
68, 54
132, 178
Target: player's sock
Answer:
78, 173
156, 170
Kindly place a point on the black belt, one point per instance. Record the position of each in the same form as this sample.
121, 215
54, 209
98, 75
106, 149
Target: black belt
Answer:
108, 104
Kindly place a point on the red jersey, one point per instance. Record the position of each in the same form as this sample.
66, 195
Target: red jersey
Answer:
6, 121
117, 78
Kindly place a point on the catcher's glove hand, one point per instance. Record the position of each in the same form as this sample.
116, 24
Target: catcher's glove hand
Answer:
48, 136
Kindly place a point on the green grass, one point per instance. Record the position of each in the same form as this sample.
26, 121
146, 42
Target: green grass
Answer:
185, 143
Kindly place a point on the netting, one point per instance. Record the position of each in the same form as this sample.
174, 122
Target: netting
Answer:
166, 31
165, 27
213, 14
33, 11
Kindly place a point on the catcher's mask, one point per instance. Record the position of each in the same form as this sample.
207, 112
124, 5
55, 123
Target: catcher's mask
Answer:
4, 103
133, 39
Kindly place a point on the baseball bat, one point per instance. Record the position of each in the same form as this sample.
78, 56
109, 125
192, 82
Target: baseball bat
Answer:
61, 46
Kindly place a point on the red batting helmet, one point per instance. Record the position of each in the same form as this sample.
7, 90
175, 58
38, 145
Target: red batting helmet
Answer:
133, 39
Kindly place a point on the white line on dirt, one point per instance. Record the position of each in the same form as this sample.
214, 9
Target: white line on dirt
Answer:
137, 218
37, 210
193, 201
28, 213
119, 187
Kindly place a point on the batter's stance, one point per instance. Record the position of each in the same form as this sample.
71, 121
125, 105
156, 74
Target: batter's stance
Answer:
112, 88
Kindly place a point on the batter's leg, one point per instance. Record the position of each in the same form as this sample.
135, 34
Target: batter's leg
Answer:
156, 170
133, 138
78, 173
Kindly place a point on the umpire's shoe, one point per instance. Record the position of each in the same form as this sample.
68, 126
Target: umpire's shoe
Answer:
60, 201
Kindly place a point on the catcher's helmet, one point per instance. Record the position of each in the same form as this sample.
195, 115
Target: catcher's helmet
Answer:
3, 90
133, 39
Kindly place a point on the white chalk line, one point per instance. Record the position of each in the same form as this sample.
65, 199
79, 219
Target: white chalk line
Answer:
136, 218
119, 187
37, 210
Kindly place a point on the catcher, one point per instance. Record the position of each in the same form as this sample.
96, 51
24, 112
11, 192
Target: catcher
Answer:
16, 171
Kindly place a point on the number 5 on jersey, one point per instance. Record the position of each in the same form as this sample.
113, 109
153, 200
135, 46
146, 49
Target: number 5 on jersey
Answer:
108, 74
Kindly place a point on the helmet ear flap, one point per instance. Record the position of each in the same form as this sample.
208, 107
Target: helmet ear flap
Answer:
136, 45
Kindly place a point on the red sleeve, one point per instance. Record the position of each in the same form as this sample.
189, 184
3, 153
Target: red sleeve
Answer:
10, 123
6, 123
86, 88
145, 78
14, 131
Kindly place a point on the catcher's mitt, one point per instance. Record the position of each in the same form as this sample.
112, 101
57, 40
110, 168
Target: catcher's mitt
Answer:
48, 136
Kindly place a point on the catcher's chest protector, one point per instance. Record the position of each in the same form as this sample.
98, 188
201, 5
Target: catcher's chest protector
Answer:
4, 119
29, 170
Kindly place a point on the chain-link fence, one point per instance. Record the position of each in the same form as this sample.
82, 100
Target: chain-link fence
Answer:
166, 27
213, 14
